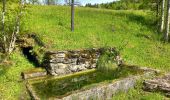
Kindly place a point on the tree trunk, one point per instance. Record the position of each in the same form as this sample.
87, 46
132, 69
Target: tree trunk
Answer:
163, 15
168, 22
72, 15
158, 14
48, 2
157, 8
14, 35
3, 26
16, 30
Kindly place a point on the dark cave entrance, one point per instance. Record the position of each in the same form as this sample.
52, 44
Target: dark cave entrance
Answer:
31, 56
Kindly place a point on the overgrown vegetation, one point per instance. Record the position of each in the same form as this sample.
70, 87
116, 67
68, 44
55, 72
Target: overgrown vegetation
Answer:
48, 88
135, 30
127, 5
10, 25
11, 85
107, 61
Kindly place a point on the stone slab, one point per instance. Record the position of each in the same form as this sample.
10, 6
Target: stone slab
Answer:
158, 84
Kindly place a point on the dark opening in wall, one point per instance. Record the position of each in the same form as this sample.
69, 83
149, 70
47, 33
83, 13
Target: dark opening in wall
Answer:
31, 55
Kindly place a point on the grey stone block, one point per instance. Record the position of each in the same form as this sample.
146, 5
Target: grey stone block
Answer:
56, 62
159, 84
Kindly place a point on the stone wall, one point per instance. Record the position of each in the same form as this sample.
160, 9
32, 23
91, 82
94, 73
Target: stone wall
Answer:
71, 61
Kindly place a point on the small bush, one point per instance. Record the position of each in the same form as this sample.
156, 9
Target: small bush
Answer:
107, 62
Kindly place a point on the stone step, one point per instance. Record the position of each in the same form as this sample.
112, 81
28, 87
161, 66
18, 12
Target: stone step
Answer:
33, 73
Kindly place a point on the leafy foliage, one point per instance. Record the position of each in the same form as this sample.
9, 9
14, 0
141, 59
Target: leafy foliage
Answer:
107, 62
126, 5
94, 28
11, 24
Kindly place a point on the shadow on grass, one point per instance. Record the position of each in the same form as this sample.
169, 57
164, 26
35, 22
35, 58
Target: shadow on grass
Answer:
146, 20
4, 66
2, 70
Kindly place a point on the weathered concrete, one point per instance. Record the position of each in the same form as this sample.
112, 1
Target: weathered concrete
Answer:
103, 92
107, 91
99, 92
33, 73
32, 92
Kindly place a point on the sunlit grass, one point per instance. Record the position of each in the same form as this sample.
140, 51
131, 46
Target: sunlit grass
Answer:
11, 85
135, 31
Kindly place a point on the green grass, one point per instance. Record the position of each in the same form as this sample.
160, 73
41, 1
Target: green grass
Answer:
11, 85
138, 94
135, 31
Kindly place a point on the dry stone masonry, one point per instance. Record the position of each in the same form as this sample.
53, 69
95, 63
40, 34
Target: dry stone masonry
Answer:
67, 62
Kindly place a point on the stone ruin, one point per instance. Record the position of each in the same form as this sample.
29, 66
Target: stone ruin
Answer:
67, 62
60, 63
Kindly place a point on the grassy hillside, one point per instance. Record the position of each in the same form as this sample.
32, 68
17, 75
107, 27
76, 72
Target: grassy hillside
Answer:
134, 31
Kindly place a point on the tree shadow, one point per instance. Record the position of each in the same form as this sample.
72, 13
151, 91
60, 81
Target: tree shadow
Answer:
148, 21
2, 70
